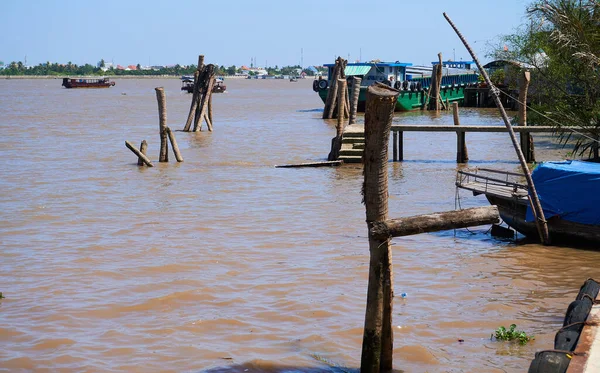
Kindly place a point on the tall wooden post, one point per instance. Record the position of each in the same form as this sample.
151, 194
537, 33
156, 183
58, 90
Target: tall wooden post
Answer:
537, 207
336, 142
435, 99
378, 335
354, 99
526, 139
196, 94
331, 101
461, 145
162, 115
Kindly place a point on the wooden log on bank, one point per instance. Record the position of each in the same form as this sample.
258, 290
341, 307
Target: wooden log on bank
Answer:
377, 347
178, 156
162, 116
139, 154
143, 150
312, 164
439, 221
462, 154
354, 99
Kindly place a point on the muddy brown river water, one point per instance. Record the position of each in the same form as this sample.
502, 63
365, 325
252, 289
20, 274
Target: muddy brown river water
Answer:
224, 263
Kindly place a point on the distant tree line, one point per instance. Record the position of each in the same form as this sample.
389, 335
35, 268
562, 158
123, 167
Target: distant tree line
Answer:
71, 69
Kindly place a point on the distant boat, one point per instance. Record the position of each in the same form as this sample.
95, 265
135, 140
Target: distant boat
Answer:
567, 192
87, 83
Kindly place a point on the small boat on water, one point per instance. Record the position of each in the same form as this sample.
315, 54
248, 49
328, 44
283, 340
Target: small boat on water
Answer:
293, 79
87, 83
568, 193
412, 81
187, 84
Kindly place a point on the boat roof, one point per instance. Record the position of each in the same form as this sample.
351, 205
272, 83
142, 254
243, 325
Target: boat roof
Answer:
391, 64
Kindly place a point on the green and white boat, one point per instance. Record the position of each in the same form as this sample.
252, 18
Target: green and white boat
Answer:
412, 81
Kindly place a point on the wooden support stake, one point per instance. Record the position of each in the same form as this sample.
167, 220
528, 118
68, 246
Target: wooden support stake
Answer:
543, 224
331, 92
354, 99
143, 150
526, 139
395, 146
195, 96
378, 336
162, 115
336, 142
462, 155
436, 81
439, 221
205, 92
178, 156
400, 146
139, 154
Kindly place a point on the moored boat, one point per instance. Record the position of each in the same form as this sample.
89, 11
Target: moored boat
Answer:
87, 83
412, 81
567, 192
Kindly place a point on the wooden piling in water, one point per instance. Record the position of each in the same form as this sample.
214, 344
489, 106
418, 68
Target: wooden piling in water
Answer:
176, 151
336, 142
195, 96
354, 99
205, 91
378, 337
331, 101
435, 99
526, 139
162, 115
143, 150
139, 154
462, 154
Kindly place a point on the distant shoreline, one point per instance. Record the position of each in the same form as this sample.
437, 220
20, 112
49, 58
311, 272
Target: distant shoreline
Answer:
9, 77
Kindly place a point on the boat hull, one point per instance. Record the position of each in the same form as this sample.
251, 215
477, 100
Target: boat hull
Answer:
408, 100
87, 83
561, 231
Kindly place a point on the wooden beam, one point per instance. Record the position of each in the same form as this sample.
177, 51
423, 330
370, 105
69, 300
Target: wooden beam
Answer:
439, 221
139, 154
472, 128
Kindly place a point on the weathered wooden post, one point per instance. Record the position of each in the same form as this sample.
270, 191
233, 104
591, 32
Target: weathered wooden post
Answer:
354, 99
436, 80
176, 151
208, 81
395, 146
541, 222
526, 139
143, 150
196, 94
336, 142
378, 337
139, 154
461, 145
331, 101
162, 115
400, 145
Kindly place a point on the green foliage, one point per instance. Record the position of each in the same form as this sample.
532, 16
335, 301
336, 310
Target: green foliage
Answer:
512, 334
561, 43
497, 77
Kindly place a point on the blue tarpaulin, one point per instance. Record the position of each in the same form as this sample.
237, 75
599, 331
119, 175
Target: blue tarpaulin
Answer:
569, 190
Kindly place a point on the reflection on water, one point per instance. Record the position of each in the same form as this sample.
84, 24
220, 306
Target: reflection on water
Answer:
225, 264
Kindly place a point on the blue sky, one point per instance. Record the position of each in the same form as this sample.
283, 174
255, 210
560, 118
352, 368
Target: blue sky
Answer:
232, 32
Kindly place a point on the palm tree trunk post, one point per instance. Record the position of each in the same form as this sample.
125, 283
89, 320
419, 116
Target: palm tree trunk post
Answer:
526, 139
195, 95
462, 154
143, 150
537, 207
176, 151
377, 345
354, 99
162, 116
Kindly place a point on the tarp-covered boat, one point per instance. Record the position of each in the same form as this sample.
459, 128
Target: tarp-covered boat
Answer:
568, 193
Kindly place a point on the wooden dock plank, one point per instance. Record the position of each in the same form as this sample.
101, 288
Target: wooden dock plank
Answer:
501, 191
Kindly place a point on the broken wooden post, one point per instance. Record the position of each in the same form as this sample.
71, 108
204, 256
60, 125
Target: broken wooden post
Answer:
537, 207
462, 154
336, 142
439, 221
171, 135
162, 116
143, 150
354, 99
526, 139
378, 336
195, 96
139, 154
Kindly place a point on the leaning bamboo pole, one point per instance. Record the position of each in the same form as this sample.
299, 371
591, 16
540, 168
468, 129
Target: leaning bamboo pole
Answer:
537, 207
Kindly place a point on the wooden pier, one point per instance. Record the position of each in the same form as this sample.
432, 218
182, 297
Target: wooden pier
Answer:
353, 138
